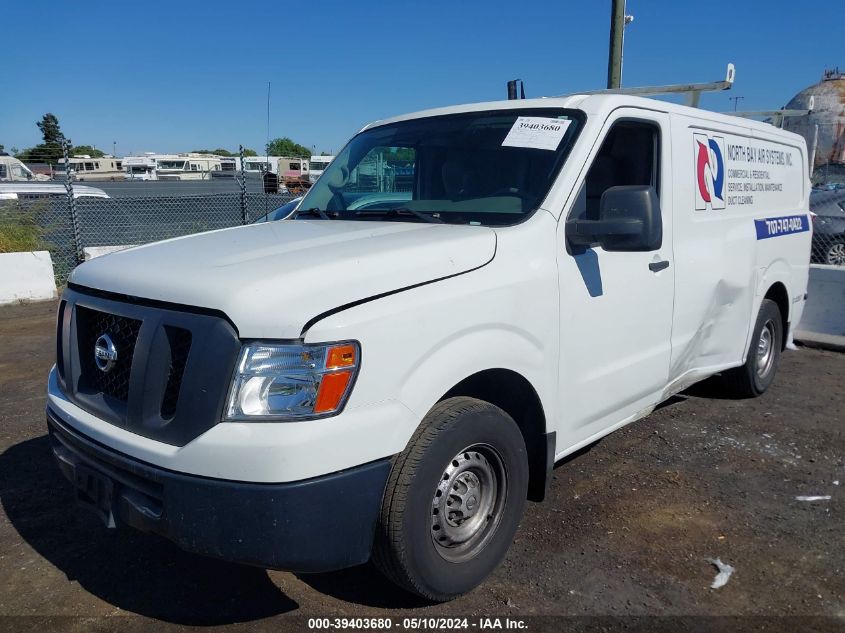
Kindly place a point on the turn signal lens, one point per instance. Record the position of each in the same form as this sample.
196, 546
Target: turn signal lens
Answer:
341, 356
332, 389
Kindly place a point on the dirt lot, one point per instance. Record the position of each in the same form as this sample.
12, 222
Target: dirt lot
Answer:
627, 530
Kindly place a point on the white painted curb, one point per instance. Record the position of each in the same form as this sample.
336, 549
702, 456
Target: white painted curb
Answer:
26, 277
823, 321
90, 252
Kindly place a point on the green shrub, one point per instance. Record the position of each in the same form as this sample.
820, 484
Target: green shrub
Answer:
20, 231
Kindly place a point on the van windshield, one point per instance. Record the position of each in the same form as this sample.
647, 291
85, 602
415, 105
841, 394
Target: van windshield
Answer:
489, 167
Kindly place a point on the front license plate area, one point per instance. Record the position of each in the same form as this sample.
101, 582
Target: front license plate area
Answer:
95, 491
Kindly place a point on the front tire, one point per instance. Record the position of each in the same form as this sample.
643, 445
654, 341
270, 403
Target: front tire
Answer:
757, 374
453, 500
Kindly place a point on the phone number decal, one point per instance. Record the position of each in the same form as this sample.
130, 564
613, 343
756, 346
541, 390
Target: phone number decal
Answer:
775, 227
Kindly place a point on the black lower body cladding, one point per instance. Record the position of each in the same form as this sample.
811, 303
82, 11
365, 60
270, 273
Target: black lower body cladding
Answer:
320, 524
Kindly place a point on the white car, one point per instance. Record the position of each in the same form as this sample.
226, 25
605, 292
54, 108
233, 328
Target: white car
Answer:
465, 297
32, 191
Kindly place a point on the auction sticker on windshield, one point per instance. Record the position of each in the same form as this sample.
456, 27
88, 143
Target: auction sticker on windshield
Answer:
536, 132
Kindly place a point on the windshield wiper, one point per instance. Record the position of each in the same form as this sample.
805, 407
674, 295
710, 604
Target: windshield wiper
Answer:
314, 211
400, 211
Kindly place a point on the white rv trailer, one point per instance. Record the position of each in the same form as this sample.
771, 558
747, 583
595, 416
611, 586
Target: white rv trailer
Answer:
140, 167
84, 167
317, 165
189, 166
13, 170
261, 164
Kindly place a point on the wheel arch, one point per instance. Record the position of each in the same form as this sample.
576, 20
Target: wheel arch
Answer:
778, 293
514, 394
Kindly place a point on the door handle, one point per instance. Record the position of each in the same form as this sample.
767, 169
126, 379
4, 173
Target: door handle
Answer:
656, 267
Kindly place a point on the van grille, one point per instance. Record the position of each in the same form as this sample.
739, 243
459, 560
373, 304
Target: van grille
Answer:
163, 385
123, 331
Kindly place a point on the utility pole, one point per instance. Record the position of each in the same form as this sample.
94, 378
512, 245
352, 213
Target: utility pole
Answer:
617, 35
735, 100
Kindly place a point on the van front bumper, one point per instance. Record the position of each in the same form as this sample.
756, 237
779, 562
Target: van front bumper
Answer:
318, 524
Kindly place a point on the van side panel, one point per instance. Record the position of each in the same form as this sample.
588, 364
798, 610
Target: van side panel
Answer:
741, 224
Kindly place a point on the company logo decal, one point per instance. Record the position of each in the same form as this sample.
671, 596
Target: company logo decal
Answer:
775, 227
709, 171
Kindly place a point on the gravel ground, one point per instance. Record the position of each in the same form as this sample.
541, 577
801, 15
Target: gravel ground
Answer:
623, 541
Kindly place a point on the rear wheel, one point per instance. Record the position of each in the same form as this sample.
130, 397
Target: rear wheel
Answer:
835, 254
453, 501
756, 375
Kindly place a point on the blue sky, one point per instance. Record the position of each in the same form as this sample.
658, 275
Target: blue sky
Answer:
168, 76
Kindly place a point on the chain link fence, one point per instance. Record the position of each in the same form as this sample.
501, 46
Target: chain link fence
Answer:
68, 218
828, 207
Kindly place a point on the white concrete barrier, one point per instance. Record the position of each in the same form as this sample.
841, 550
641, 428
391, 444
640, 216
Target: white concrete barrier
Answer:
26, 277
90, 252
823, 321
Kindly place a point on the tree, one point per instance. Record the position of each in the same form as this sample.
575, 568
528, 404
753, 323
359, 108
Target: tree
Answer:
250, 152
50, 151
286, 147
93, 152
218, 152
50, 130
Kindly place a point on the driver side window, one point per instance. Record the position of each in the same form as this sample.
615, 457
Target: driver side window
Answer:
628, 156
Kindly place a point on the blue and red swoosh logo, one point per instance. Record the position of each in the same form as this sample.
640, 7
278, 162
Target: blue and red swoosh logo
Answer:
716, 165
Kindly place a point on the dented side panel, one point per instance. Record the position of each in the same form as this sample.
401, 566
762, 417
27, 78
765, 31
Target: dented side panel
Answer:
740, 225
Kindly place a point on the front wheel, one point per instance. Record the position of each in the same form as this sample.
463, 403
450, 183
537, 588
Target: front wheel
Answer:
756, 375
453, 501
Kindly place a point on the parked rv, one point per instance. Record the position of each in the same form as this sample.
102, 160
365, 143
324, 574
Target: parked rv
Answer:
259, 165
83, 167
13, 170
317, 165
140, 167
392, 371
189, 166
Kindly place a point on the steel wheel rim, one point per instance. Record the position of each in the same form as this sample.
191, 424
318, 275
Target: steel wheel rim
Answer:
766, 349
836, 255
468, 503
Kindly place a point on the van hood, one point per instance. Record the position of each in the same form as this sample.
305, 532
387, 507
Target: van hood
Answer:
271, 279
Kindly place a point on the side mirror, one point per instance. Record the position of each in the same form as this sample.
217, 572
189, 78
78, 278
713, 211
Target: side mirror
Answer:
629, 220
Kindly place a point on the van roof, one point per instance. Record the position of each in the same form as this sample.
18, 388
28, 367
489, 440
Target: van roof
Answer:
595, 104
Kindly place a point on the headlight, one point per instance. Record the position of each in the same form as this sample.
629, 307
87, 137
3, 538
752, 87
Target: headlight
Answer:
289, 382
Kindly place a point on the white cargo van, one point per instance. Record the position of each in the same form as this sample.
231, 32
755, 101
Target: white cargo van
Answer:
392, 371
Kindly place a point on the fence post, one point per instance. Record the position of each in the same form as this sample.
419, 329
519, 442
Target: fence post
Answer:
244, 211
71, 200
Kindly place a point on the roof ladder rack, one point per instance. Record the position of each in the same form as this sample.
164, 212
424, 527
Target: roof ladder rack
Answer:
777, 116
693, 91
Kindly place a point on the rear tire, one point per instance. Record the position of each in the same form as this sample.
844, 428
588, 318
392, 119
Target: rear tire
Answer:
835, 254
453, 500
756, 375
